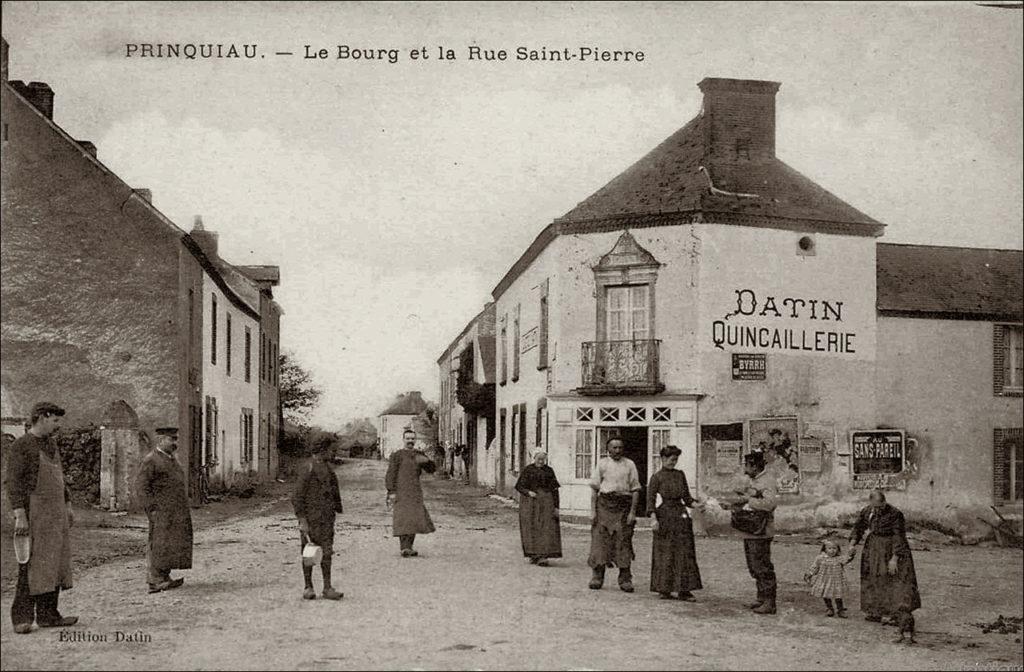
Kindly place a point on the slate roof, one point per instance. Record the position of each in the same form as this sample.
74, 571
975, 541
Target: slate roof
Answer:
262, 274
955, 282
410, 403
682, 181
669, 179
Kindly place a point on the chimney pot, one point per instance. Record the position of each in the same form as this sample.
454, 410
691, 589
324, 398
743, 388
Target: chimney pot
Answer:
739, 119
197, 223
145, 194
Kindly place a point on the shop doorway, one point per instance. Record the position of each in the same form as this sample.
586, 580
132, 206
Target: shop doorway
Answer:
635, 440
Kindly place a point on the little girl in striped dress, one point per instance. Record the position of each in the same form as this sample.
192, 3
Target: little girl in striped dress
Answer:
827, 577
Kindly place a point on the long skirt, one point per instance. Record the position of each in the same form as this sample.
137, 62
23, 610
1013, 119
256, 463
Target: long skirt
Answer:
674, 557
880, 593
540, 530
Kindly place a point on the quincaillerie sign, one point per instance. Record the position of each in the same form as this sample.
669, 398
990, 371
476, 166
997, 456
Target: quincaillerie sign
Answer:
789, 324
879, 457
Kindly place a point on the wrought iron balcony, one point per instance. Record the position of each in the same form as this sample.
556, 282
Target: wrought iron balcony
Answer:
621, 367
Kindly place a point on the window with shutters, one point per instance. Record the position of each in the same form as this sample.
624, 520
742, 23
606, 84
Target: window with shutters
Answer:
504, 349
542, 335
213, 331
248, 355
1008, 465
515, 345
227, 342
1008, 359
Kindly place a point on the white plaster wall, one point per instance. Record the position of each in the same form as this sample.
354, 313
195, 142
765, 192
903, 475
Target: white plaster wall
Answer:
232, 392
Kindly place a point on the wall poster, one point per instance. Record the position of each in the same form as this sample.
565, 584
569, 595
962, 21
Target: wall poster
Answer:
777, 439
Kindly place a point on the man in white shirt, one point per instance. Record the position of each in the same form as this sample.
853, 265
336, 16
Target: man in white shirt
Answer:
616, 494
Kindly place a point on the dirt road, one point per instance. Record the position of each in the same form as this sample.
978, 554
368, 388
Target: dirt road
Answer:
471, 602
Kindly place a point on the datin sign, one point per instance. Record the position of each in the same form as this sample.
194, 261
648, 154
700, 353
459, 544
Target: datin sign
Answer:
748, 366
878, 456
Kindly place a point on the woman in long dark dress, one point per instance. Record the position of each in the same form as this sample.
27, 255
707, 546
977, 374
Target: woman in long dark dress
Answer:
538, 511
674, 557
888, 582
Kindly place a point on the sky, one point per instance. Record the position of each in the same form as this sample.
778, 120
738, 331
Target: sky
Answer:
394, 196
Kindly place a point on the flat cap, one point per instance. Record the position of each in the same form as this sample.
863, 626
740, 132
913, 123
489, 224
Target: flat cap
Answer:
46, 408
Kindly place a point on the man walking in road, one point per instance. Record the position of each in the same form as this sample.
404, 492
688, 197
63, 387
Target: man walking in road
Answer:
41, 503
616, 494
405, 495
316, 500
162, 493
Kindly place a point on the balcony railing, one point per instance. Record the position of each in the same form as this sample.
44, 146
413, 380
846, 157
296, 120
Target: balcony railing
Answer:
621, 367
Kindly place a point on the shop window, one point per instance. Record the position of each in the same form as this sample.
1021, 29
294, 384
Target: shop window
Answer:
610, 414
584, 452
659, 439
584, 414
1008, 359
638, 414
662, 414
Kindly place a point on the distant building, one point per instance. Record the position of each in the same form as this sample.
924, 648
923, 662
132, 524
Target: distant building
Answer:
104, 299
713, 298
400, 415
469, 362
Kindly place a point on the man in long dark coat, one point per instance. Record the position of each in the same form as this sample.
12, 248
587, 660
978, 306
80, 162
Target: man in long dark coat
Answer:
161, 491
41, 504
405, 495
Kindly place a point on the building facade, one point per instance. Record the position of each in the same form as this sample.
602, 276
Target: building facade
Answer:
713, 298
403, 413
466, 372
104, 299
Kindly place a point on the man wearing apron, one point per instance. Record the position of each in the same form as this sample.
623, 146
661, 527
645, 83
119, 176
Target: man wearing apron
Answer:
42, 509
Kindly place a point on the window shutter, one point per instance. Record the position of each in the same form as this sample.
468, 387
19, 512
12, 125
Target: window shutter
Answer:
1000, 468
542, 350
998, 358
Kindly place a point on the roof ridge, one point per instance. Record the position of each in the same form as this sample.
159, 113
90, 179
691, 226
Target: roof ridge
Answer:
952, 247
147, 205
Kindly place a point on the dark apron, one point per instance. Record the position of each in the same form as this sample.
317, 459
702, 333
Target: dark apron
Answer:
50, 565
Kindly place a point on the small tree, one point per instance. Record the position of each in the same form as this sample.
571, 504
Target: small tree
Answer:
299, 394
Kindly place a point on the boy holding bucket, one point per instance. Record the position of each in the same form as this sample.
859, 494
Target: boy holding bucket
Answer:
316, 501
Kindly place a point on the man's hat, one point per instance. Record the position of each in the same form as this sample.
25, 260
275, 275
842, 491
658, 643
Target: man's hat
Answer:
46, 408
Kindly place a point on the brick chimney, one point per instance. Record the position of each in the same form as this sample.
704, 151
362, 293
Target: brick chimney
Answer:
207, 240
739, 119
4, 49
38, 93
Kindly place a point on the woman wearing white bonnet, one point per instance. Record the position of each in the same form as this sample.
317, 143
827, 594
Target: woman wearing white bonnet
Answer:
538, 511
